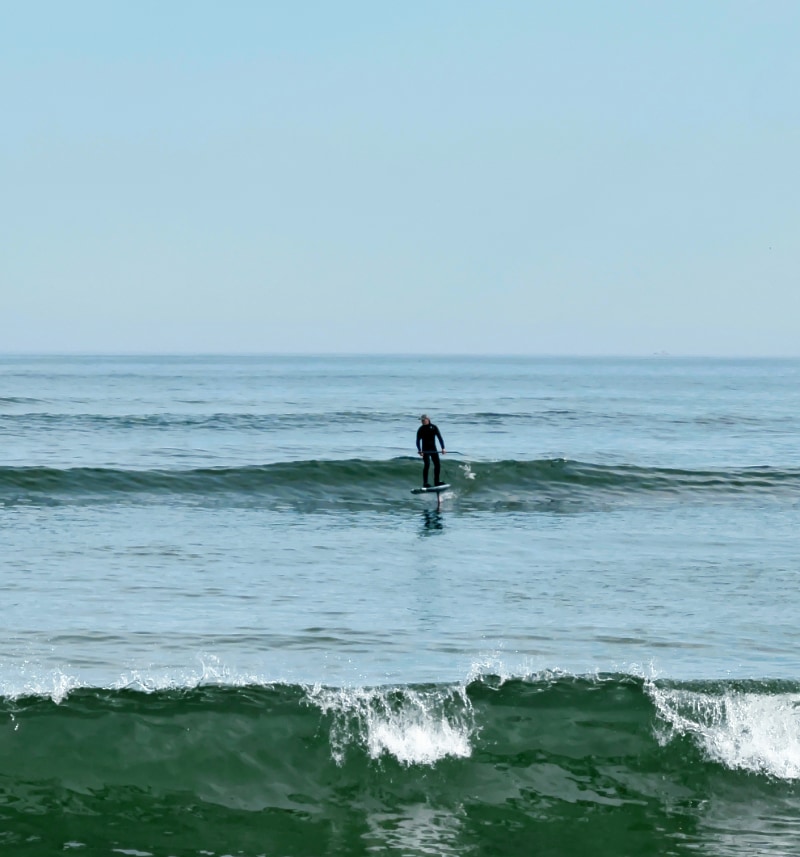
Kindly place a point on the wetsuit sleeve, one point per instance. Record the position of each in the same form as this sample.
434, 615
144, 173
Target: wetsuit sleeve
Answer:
419, 438
439, 435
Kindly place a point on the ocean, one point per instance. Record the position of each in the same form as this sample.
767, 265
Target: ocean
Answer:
229, 628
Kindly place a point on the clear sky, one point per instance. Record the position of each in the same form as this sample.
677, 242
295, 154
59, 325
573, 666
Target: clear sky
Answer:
448, 176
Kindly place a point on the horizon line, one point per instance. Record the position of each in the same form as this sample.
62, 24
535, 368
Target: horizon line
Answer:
411, 354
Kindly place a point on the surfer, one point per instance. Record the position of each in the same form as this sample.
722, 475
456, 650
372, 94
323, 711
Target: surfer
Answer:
426, 447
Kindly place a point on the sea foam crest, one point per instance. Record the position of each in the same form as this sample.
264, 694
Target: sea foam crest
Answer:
757, 732
210, 672
415, 726
34, 680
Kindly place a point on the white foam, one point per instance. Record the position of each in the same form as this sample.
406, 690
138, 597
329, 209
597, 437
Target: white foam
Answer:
35, 679
490, 664
496, 668
418, 743
416, 727
757, 732
32, 680
211, 672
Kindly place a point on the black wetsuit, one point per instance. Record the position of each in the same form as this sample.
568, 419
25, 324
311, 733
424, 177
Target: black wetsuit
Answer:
426, 444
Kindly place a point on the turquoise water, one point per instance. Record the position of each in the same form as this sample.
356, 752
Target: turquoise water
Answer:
226, 615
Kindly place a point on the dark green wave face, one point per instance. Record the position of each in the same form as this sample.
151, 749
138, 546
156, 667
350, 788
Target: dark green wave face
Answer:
546, 485
551, 765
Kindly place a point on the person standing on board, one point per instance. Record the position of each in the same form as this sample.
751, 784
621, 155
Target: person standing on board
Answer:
426, 447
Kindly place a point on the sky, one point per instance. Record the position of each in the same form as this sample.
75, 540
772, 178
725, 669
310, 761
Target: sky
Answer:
448, 176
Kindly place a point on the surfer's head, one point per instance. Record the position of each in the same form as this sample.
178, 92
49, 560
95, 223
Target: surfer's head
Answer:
424, 418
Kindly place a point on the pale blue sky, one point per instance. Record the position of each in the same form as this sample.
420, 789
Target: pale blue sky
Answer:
471, 177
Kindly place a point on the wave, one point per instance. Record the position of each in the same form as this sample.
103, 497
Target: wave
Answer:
18, 400
605, 765
221, 421
355, 419
357, 483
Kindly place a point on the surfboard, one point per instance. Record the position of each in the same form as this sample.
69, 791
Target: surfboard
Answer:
436, 489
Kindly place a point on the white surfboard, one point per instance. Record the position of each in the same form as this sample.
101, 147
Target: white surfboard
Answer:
436, 489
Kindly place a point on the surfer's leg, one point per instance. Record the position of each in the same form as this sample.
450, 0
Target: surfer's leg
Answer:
425, 468
437, 467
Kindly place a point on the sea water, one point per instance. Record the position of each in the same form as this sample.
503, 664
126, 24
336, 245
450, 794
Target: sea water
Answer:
230, 628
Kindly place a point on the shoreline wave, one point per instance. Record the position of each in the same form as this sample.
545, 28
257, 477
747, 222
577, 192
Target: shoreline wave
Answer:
606, 765
740, 724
